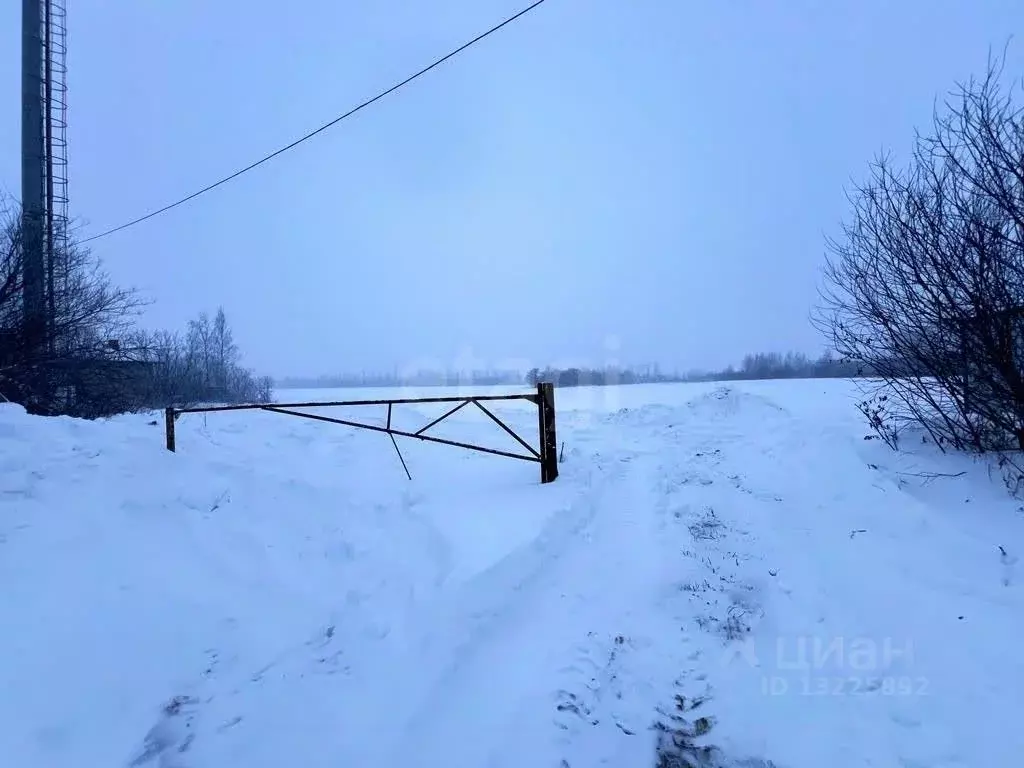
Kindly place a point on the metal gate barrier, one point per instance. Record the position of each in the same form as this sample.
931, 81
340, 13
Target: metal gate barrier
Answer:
546, 453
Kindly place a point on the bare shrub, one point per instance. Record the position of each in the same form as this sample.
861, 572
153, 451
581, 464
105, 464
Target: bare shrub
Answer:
924, 291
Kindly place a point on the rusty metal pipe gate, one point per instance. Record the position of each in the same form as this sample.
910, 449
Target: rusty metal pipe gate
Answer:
544, 398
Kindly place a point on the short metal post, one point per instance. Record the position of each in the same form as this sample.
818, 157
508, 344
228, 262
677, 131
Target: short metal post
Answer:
548, 438
169, 427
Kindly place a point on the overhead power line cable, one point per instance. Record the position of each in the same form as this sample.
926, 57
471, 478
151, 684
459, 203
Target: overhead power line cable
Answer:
323, 127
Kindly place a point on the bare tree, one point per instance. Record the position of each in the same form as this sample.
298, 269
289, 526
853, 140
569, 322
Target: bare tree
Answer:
225, 352
199, 341
925, 289
87, 330
202, 367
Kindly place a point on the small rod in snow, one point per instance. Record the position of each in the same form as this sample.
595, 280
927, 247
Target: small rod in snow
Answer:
400, 458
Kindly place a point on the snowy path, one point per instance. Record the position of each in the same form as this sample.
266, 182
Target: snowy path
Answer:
561, 621
733, 565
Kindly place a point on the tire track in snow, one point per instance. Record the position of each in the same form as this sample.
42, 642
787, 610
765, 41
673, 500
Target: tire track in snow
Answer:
582, 640
482, 614
648, 690
717, 593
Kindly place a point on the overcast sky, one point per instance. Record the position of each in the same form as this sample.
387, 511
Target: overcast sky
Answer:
603, 181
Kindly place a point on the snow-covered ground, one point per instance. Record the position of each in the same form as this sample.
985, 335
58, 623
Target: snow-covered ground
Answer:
735, 562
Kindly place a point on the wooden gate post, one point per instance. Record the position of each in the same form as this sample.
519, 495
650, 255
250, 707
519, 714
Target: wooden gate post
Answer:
548, 438
169, 427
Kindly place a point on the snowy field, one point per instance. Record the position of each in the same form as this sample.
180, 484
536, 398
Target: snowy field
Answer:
732, 562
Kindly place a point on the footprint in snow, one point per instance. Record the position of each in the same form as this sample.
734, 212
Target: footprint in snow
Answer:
171, 737
1008, 562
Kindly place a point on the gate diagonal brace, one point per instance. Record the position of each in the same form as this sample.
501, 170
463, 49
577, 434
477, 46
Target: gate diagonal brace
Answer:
398, 432
507, 428
442, 417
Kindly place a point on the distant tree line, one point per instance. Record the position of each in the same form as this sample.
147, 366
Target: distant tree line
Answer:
761, 365
582, 376
88, 357
394, 378
791, 365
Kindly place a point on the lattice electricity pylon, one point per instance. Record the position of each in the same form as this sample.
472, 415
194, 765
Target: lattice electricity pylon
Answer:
55, 166
44, 176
